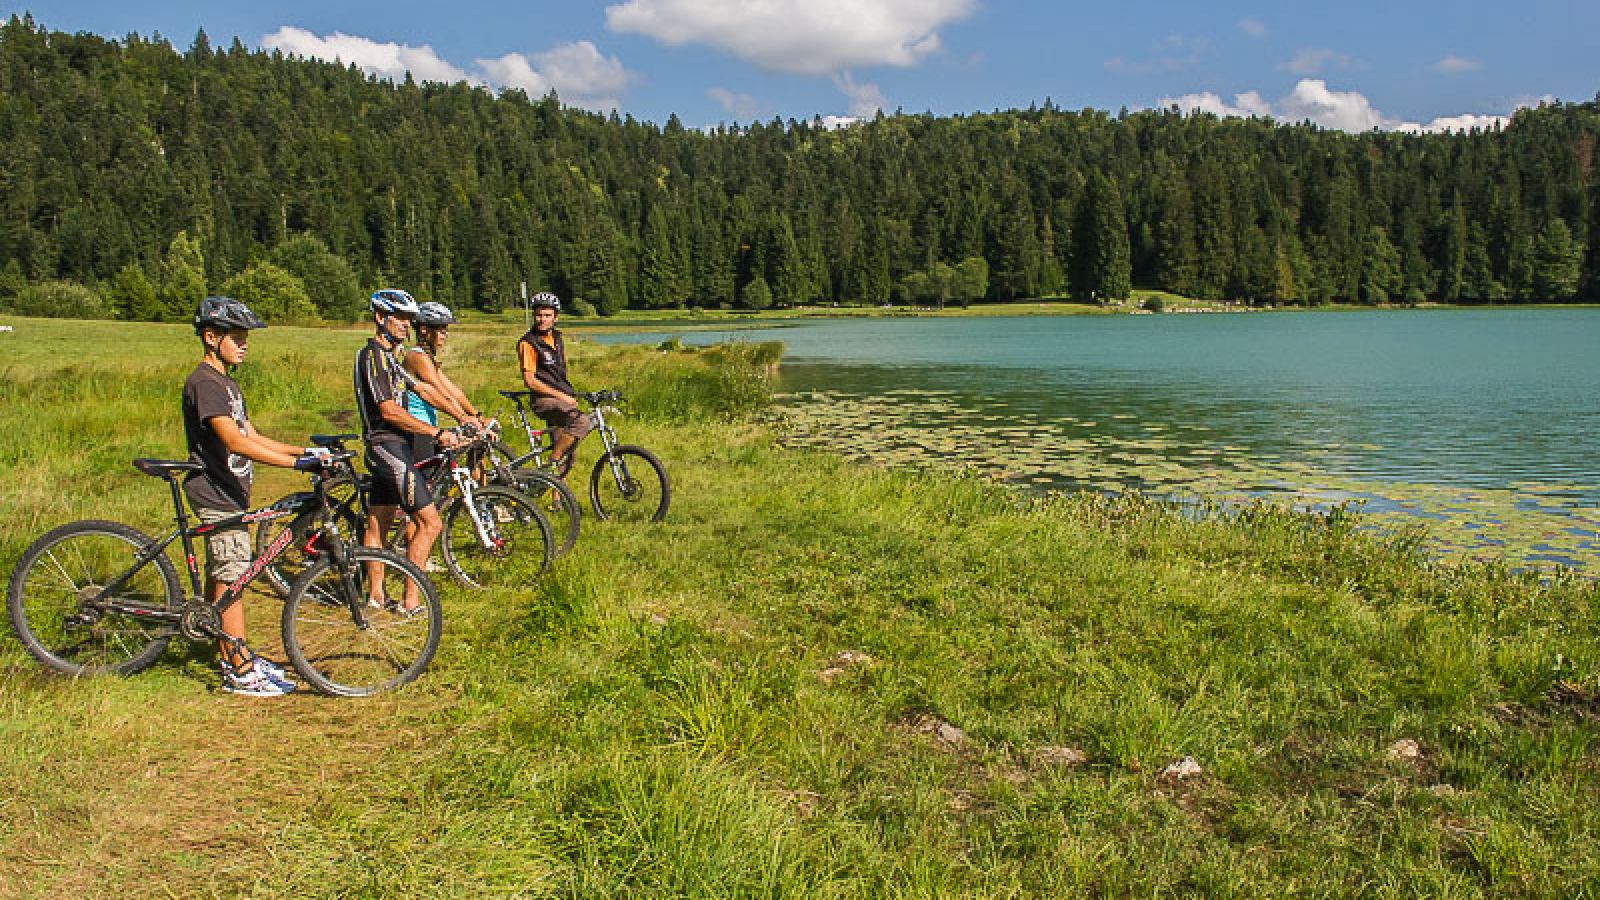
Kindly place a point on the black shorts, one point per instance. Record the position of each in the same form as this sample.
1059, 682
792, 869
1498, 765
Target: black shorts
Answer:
423, 446
395, 479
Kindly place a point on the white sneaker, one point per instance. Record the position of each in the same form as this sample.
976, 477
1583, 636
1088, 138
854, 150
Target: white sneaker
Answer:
254, 681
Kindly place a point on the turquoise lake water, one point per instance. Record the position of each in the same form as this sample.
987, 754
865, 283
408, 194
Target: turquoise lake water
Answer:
1483, 425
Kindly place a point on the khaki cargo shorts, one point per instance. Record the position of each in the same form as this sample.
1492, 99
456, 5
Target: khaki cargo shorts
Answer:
228, 551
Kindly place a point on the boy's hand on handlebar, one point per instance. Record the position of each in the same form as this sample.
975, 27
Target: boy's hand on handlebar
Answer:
449, 438
311, 462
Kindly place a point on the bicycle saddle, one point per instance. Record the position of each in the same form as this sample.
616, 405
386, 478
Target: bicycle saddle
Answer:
164, 467
332, 440
516, 395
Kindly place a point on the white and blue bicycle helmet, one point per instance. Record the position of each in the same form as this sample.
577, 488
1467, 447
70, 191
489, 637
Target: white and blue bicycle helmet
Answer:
392, 300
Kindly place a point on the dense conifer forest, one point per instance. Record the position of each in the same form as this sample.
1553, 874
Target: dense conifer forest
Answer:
136, 177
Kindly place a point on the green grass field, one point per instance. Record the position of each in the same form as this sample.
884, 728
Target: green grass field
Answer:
815, 679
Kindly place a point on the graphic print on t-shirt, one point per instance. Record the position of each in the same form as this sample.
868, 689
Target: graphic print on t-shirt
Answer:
241, 466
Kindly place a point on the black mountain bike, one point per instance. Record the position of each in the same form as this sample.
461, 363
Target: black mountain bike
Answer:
485, 525
97, 597
628, 483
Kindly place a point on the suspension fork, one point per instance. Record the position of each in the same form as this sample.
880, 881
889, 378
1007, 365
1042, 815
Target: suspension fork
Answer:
336, 550
323, 526
479, 526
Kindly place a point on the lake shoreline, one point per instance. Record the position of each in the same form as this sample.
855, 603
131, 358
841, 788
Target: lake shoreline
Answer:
815, 678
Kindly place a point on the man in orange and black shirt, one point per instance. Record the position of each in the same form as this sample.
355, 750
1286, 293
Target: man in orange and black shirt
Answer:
543, 355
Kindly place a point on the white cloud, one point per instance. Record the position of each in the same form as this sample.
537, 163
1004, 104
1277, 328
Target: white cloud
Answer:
1312, 60
739, 106
1312, 100
1344, 110
1456, 65
515, 70
865, 99
389, 60
801, 37
578, 72
1253, 27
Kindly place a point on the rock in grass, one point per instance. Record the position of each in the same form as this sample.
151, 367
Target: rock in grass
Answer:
1060, 756
843, 663
1188, 767
1406, 749
950, 734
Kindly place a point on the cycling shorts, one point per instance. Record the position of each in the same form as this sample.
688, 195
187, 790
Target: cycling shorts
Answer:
395, 480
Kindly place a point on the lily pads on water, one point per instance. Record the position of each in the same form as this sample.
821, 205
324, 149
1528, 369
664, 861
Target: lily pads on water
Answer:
1527, 523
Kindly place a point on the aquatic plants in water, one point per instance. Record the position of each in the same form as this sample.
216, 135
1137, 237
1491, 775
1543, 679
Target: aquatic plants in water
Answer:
1524, 524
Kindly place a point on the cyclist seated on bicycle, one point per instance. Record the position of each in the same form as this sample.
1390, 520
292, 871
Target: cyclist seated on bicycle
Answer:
382, 386
543, 355
217, 428
433, 390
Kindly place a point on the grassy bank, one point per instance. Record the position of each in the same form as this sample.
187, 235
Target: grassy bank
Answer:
816, 679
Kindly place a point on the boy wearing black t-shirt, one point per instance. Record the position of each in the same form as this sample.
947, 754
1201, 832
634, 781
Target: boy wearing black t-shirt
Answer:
221, 438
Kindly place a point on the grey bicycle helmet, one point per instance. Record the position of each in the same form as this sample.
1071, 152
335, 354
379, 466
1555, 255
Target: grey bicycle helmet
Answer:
434, 315
225, 313
545, 299
392, 300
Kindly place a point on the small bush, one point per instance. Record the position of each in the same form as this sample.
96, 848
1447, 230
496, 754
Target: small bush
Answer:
271, 293
59, 300
1154, 304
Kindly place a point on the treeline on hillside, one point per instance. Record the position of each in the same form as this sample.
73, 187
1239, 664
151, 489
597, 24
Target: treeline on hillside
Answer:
134, 178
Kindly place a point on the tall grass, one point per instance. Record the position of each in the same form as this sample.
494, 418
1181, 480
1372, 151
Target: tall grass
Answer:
815, 679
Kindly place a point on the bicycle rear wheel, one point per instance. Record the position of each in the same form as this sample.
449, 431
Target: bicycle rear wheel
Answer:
629, 484
556, 501
519, 539
49, 599
387, 648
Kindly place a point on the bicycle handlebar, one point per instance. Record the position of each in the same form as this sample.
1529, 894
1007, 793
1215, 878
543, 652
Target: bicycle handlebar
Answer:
594, 398
599, 398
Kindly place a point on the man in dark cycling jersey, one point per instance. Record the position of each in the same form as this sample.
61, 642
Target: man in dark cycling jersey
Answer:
381, 388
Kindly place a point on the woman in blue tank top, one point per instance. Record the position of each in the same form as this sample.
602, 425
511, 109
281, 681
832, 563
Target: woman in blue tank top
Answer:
431, 389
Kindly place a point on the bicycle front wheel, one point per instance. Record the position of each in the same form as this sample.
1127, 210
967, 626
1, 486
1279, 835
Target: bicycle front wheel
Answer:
51, 599
285, 570
556, 501
514, 544
629, 484
361, 639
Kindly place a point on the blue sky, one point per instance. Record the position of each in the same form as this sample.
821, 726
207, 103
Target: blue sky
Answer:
1353, 65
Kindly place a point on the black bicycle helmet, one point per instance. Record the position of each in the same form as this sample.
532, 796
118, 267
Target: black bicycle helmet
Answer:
434, 315
225, 313
545, 299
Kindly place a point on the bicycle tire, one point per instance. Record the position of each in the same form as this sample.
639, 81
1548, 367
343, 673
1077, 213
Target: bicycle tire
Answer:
61, 569
503, 457
337, 657
562, 505
285, 570
475, 566
632, 496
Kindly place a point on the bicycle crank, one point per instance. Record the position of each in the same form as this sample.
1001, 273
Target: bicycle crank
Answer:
199, 621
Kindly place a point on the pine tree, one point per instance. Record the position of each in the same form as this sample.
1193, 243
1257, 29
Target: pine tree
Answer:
183, 279
1558, 264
